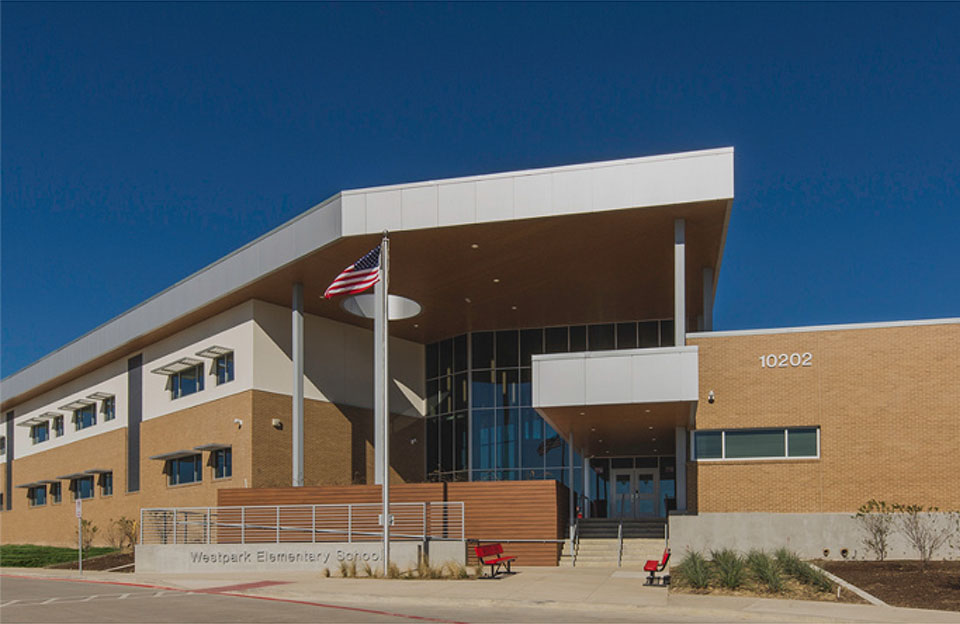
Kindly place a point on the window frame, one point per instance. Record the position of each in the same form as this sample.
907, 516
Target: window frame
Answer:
173, 473
75, 488
44, 426
109, 408
723, 445
227, 454
227, 361
176, 386
56, 498
78, 418
58, 426
32, 495
106, 483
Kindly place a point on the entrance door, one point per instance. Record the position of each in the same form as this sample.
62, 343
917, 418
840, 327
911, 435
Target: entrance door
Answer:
635, 493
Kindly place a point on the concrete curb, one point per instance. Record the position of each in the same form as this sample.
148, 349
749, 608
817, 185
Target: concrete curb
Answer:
851, 587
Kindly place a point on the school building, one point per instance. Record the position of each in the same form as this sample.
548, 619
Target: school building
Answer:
562, 368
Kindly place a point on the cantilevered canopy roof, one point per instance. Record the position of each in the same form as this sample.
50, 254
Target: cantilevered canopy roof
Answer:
174, 455
580, 243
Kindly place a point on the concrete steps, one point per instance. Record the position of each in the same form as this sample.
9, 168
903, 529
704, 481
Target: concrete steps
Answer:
604, 552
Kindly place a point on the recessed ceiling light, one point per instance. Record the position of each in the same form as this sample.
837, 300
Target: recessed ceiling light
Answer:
600, 440
496, 280
416, 325
655, 450
591, 428
467, 299
647, 411
650, 428
581, 413
474, 246
607, 452
654, 439
513, 307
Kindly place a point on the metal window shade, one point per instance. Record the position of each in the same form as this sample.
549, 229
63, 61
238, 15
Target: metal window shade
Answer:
212, 447
71, 477
176, 366
94, 471
214, 352
174, 455
100, 396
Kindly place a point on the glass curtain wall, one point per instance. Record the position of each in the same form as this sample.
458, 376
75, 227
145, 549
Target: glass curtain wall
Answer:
481, 425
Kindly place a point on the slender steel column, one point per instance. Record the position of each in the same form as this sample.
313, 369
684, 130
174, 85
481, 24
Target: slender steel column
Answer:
573, 519
296, 353
586, 486
381, 377
679, 283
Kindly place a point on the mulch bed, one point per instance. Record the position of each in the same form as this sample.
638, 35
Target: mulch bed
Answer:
103, 562
792, 591
900, 583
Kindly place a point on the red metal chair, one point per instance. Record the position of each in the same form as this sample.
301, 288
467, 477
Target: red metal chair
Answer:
653, 566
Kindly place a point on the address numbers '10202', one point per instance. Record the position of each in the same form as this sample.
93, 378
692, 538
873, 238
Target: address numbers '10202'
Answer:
786, 360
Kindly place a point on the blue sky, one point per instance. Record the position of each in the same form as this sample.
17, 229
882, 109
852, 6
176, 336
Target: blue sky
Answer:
141, 141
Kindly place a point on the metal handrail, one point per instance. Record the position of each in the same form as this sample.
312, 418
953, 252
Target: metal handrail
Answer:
575, 543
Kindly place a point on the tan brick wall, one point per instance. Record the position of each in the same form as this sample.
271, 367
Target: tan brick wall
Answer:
338, 444
887, 401
339, 451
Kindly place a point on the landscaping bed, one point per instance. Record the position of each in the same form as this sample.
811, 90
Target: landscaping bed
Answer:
102, 562
760, 574
31, 556
902, 584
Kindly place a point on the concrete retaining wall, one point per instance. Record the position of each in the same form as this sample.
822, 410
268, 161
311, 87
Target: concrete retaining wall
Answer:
819, 535
177, 558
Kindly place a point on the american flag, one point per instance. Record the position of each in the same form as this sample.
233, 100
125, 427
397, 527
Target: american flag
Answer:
357, 277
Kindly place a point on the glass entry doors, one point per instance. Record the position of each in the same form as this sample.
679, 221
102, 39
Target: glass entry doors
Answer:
635, 493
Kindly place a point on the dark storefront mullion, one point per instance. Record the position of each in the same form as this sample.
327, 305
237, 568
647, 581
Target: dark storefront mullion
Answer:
446, 443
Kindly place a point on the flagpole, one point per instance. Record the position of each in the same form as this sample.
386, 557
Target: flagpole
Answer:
382, 392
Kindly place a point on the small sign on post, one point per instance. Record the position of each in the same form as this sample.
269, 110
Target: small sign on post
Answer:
79, 507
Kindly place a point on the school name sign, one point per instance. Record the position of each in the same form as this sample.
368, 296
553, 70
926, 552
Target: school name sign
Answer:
268, 557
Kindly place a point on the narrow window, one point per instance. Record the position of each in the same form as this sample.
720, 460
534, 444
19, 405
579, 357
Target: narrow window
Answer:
58, 426
223, 367
3, 445
37, 496
708, 444
109, 408
85, 417
56, 493
752, 443
106, 484
223, 463
802, 442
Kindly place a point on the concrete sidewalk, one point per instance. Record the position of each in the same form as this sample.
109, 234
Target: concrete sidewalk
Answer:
587, 589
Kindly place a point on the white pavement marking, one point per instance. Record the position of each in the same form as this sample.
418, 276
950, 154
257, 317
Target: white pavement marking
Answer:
8, 603
49, 600
89, 598
123, 596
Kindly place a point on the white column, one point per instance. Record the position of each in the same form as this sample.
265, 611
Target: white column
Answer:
586, 486
296, 354
707, 299
573, 518
381, 396
679, 283
681, 471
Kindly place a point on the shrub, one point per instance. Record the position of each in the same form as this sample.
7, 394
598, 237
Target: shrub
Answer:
456, 570
367, 570
344, 569
802, 571
122, 533
88, 531
393, 571
876, 521
326, 572
766, 570
730, 568
693, 571
926, 529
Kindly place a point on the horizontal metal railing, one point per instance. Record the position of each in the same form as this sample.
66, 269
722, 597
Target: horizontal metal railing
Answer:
261, 524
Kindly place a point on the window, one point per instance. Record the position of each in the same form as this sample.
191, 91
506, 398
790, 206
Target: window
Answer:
85, 417
109, 408
185, 470
186, 382
3, 445
223, 368
56, 493
40, 433
222, 463
82, 488
795, 442
58, 426
37, 496
106, 484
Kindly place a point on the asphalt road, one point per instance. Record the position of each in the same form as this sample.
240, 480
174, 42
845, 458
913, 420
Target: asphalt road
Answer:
42, 600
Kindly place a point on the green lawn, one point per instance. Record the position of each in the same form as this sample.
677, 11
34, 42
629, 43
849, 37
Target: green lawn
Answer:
30, 556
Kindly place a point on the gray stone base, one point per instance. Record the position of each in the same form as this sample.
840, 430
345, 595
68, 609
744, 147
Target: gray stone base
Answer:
812, 536
290, 557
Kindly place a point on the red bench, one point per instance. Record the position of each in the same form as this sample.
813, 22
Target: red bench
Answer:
653, 566
492, 555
